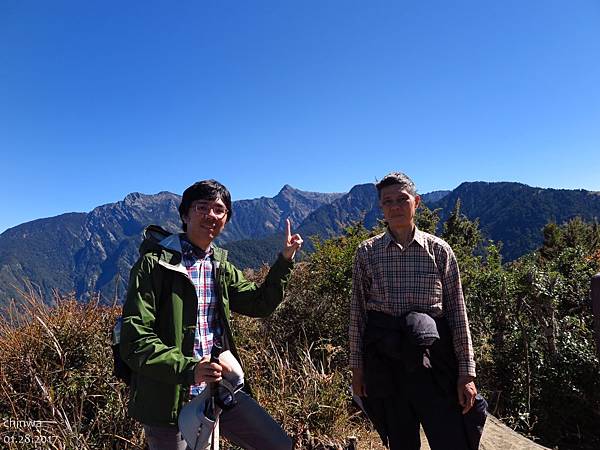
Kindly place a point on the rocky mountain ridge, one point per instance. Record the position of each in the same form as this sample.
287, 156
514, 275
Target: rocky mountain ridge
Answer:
93, 252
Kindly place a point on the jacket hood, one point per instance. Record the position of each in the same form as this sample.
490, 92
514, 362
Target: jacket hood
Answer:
156, 239
168, 245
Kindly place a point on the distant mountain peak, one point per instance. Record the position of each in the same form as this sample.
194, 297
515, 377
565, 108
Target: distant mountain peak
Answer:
366, 187
132, 198
494, 184
287, 191
139, 200
92, 252
433, 196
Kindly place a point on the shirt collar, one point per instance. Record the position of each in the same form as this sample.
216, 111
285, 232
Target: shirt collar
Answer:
418, 237
189, 250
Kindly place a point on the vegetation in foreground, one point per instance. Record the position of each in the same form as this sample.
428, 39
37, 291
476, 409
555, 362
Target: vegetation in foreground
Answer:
531, 322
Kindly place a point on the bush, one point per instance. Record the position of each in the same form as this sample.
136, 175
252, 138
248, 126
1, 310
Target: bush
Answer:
58, 390
56, 370
531, 323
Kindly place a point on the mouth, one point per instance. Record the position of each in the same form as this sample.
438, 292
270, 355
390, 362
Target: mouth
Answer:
209, 226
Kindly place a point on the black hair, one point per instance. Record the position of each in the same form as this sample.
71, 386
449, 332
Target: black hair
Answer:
204, 190
397, 178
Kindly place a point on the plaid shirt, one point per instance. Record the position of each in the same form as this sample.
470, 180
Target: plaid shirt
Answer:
423, 276
199, 266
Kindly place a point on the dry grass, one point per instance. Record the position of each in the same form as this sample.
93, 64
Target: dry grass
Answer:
56, 383
309, 400
57, 390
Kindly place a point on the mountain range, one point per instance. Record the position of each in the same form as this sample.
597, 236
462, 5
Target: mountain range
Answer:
92, 252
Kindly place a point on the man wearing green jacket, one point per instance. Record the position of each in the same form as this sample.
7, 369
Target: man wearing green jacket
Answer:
181, 294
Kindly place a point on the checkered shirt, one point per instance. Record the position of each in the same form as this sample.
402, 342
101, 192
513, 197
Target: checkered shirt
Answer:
199, 266
423, 276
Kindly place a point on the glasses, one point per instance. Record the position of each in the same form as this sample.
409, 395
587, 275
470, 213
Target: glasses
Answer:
205, 208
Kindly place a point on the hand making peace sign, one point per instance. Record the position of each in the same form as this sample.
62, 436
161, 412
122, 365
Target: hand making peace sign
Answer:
292, 243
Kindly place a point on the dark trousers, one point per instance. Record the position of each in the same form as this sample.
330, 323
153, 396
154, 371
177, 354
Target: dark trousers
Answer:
403, 391
418, 400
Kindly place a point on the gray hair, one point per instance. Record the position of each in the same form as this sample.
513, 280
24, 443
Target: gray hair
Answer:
397, 178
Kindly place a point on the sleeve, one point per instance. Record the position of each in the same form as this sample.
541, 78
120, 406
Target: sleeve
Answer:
250, 299
141, 348
361, 284
456, 313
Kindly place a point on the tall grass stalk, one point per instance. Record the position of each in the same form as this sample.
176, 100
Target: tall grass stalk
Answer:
56, 383
56, 371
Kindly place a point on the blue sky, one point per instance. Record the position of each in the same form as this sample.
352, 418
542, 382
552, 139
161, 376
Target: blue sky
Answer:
102, 98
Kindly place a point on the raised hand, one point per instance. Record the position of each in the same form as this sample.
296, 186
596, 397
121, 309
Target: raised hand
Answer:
292, 242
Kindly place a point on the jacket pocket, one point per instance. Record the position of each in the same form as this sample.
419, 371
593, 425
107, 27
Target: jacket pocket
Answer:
154, 402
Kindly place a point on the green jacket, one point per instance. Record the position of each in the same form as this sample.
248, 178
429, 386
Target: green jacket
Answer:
159, 321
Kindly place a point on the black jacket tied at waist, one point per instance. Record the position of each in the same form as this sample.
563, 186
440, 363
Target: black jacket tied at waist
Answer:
398, 348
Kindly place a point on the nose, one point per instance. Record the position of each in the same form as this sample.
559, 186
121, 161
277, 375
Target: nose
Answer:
211, 213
